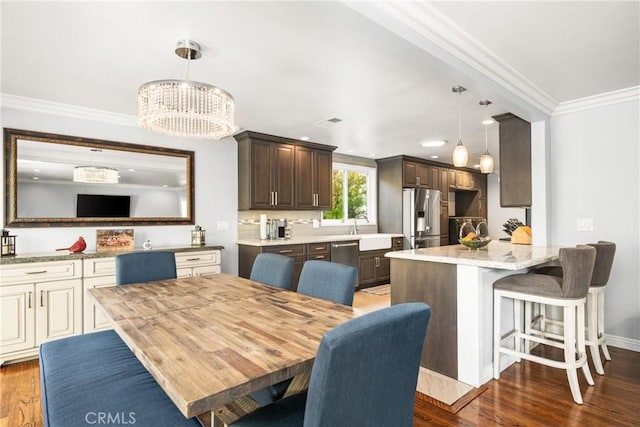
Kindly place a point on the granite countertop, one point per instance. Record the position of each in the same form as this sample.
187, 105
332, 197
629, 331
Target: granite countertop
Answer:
66, 256
500, 255
312, 239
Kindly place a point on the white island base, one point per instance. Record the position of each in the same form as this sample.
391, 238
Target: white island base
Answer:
458, 285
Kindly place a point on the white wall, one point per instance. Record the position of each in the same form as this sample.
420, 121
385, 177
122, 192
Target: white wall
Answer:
594, 158
216, 185
498, 215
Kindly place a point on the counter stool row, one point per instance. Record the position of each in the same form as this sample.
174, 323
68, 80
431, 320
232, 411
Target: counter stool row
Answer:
578, 281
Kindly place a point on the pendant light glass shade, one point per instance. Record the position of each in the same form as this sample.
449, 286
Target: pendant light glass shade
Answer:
186, 108
460, 153
486, 160
486, 163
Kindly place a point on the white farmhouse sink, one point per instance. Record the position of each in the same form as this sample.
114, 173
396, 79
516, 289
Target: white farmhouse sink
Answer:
372, 242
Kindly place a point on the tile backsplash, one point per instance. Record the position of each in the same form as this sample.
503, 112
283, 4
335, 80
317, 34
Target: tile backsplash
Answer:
300, 222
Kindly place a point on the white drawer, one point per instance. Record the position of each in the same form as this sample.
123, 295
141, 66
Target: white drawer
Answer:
40, 272
99, 266
191, 259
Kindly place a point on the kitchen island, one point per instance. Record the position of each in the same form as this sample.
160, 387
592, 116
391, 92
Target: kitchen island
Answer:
458, 285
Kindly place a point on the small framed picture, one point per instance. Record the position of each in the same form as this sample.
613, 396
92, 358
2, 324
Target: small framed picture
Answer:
114, 240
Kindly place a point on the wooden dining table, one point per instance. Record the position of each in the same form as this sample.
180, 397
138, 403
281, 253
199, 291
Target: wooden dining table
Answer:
211, 340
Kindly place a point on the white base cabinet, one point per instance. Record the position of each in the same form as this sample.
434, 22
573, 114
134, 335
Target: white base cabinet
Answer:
42, 301
35, 307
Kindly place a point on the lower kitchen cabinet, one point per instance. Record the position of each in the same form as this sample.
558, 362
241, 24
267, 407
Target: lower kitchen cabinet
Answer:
34, 308
247, 255
374, 268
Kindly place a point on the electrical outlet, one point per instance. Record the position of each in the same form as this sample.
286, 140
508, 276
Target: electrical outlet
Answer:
585, 224
316, 223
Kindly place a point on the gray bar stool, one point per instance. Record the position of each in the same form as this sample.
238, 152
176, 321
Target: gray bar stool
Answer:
568, 292
596, 336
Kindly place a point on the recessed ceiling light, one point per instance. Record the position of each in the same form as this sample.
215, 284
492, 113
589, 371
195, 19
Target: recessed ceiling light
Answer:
35, 177
131, 170
488, 122
165, 185
349, 151
372, 155
36, 170
434, 143
304, 138
435, 157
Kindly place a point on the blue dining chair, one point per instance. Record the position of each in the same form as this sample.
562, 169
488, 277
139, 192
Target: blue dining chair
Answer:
365, 374
272, 269
328, 280
142, 267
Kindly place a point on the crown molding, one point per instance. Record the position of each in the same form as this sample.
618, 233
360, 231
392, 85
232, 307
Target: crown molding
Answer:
73, 111
426, 27
600, 100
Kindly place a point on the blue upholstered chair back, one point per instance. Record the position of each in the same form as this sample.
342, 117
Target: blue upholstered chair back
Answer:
142, 267
273, 269
366, 370
328, 280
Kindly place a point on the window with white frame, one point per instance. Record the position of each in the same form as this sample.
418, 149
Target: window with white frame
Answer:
354, 195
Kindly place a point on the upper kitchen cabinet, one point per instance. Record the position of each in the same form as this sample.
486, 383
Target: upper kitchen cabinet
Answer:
282, 173
416, 174
313, 178
515, 161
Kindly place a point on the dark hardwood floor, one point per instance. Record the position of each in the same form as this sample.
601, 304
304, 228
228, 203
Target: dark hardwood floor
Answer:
526, 395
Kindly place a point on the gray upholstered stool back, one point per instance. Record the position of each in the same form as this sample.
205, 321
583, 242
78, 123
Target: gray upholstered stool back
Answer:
604, 261
577, 267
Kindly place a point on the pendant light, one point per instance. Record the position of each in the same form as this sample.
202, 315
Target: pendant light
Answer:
486, 160
460, 153
184, 107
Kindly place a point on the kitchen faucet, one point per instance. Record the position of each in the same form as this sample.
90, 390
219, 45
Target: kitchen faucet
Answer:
355, 222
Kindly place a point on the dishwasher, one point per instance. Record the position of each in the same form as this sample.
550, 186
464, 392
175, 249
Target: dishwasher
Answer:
346, 253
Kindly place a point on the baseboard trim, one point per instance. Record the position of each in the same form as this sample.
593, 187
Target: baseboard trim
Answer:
622, 342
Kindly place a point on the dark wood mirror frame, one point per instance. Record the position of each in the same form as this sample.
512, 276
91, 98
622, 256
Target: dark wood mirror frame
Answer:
11, 137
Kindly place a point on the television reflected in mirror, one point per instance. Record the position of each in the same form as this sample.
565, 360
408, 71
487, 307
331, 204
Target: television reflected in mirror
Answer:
59, 180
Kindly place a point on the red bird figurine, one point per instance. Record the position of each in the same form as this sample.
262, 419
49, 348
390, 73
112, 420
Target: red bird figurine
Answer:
79, 246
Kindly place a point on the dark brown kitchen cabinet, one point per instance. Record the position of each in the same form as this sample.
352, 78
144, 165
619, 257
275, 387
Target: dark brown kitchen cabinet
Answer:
319, 251
283, 173
313, 170
515, 161
265, 174
374, 268
416, 174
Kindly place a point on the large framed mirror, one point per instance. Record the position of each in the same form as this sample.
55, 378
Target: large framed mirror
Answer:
58, 180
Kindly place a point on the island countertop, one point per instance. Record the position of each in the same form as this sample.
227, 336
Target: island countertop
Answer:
499, 255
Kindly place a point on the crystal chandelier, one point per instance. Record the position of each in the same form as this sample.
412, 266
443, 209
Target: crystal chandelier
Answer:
95, 175
186, 108
486, 160
460, 153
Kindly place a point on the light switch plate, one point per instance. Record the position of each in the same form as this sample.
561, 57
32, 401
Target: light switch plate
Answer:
585, 224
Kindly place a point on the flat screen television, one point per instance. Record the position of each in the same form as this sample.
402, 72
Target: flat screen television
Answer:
102, 206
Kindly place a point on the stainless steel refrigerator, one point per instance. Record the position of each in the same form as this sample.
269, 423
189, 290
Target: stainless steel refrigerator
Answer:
421, 217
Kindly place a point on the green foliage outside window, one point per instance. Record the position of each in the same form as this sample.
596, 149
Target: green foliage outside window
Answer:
356, 195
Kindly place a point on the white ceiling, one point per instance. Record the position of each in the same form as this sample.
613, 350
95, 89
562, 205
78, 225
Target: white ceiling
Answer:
292, 65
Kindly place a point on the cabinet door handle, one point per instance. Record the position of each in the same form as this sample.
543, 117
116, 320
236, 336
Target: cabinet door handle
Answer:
319, 257
276, 193
41, 298
319, 248
417, 180
36, 272
193, 259
285, 251
30, 299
